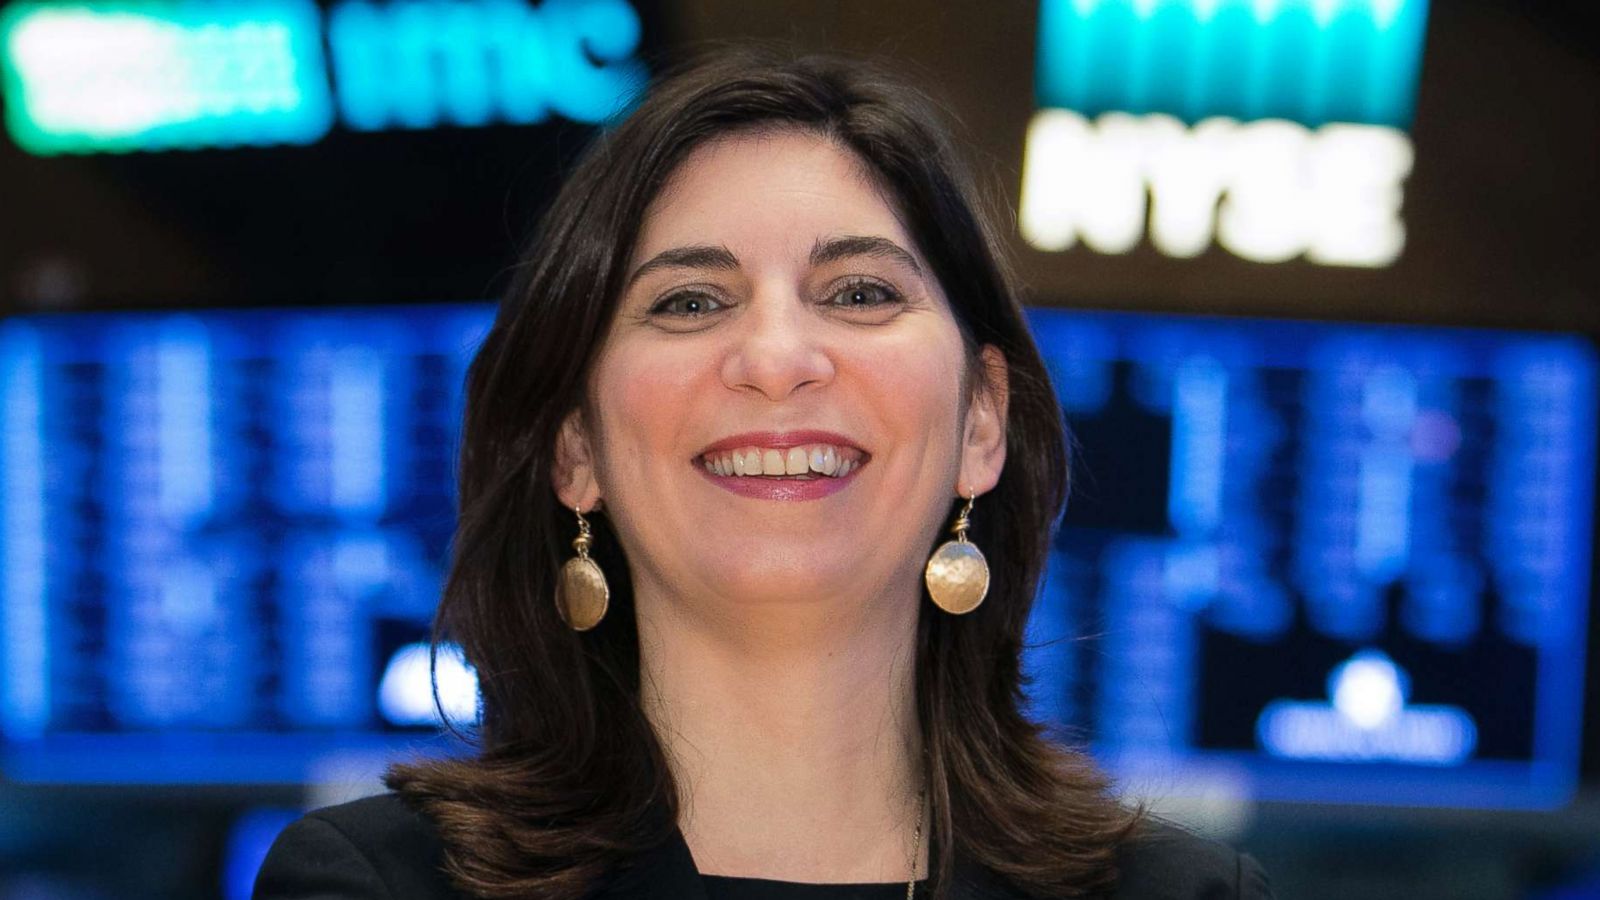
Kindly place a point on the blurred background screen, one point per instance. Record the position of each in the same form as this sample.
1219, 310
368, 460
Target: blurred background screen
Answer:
224, 538
1316, 280
1331, 562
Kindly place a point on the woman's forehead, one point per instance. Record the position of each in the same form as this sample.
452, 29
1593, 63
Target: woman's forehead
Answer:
775, 190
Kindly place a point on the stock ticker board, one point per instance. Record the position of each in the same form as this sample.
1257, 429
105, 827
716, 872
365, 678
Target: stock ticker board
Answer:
1303, 561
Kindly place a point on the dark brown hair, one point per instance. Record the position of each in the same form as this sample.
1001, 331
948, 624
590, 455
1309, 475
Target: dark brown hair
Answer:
569, 780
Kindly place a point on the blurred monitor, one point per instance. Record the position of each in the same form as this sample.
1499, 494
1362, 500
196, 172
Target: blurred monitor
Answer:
1322, 562
223, 539
1310, 561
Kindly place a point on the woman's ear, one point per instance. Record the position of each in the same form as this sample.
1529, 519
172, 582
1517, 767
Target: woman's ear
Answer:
983, 450
573, 475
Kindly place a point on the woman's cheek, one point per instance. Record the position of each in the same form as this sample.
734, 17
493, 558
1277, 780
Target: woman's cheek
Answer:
914, 372
639, 372
646, 395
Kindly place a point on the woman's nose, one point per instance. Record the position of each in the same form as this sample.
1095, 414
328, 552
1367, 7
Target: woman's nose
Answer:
777, 348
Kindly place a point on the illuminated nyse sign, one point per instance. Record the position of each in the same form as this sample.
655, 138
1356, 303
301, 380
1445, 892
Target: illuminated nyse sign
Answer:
182, 75
1274, 128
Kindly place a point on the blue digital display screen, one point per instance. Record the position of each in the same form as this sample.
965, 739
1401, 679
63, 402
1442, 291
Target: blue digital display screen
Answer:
1322, 561
223, 537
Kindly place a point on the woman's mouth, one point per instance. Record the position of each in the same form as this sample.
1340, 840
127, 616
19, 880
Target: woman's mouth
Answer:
806, 462
806, 472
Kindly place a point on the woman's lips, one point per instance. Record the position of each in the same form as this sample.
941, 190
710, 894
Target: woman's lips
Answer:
780, 440
765, 487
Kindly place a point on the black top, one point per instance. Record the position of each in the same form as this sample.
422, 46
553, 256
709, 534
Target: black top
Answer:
381, 849
727, 887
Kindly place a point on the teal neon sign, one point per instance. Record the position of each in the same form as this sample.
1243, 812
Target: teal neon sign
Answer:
1272, 128
423, 63
1305, 61
189, 74
137, 76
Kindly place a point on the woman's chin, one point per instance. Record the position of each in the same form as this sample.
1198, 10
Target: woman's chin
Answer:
779, 588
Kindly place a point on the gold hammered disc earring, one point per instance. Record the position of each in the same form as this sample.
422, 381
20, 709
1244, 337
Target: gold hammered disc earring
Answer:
582, 594
957, 575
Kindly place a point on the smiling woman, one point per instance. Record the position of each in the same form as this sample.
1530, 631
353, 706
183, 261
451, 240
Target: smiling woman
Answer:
761, 356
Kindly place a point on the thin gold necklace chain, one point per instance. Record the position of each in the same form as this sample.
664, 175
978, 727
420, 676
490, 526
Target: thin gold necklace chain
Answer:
916, 843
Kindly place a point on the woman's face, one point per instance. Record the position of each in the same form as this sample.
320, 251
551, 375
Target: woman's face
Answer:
774, 292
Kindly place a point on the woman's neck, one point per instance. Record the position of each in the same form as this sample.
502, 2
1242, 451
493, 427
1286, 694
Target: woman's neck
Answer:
793, 738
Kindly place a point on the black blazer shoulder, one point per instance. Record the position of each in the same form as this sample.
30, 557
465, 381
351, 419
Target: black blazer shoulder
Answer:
1165, 861
380, 848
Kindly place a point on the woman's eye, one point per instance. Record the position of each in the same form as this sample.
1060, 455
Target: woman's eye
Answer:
688, 304
864, 295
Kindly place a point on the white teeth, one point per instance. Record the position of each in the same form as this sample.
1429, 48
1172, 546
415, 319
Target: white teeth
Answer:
794, 462
771, 462
821, 459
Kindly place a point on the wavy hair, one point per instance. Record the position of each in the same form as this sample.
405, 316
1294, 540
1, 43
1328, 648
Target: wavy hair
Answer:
569, 780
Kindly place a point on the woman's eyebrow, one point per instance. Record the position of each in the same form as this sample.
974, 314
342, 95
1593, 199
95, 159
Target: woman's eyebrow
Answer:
832, 249
696, 256
826, 250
